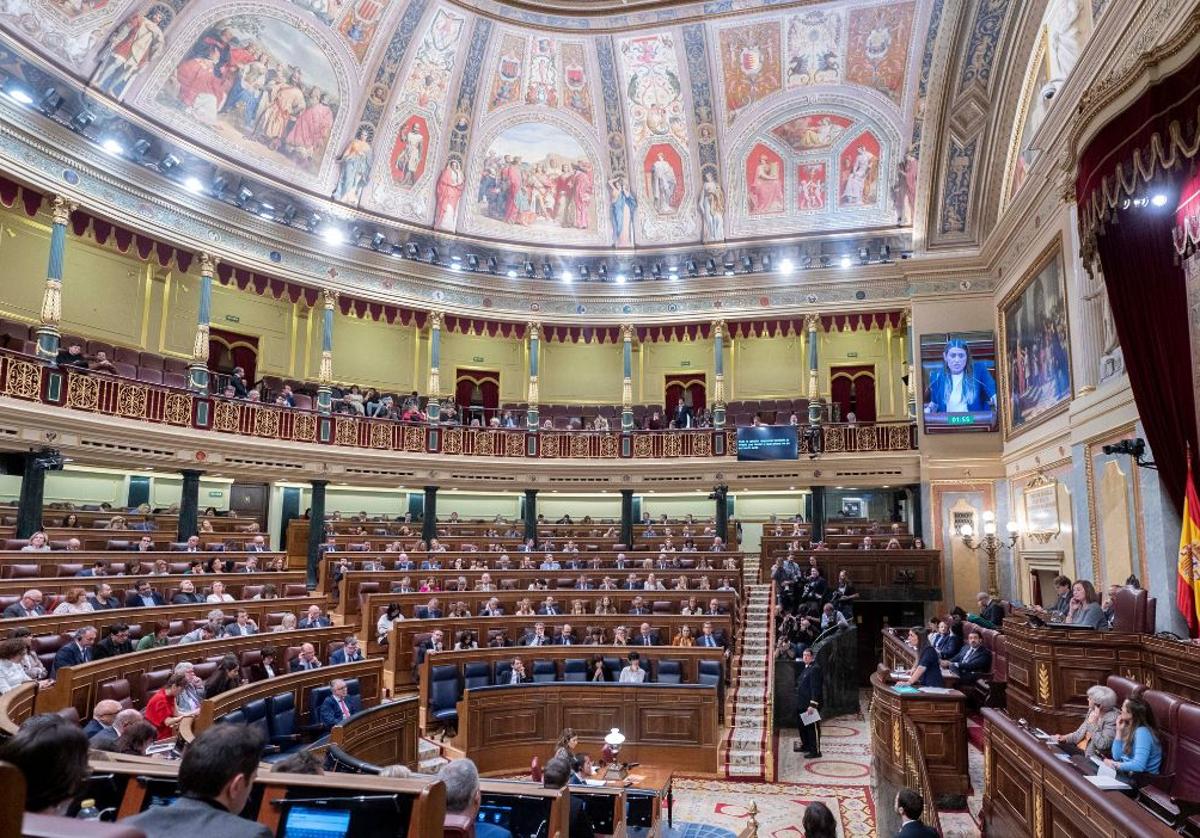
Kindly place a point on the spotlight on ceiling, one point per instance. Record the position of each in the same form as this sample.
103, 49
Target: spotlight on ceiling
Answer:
168, 163
710, 265
244, 194
547, 271
82, 120
786, 266
313, 221
566, 276
472, 261
584, 272
692, 268
529, 271
433, 255
18, 93
492, 265
825, 261
378, 241
192, 184
1159, 200
52, 100
864, 256
885, 253
333, 235
620, 279
456, 263
218, 186
766, 262
806, 260
639, 273
412, 249
846, 261
113, 146
288, 215
602, 272
266, 210
141, 148
747, 264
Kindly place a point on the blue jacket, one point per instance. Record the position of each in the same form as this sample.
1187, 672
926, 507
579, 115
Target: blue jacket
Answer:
947, 645
339, 656
331, 714
1146, 756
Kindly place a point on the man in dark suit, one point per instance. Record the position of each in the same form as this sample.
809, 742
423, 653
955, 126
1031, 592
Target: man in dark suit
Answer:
143, 597
1062, 603
808, 697
117, 643
338, 705
566, 636
708, 639
990, 609
216, 777
257, 545
187, 594
95, 569
638, 606
103, 598
973, 659
349, 653
29, 605
517, 674
646, 636
549, 608
78, 651
433, 644
683, 412
103, 717
537, 638
909, 806
431, 610
556, 775
306, 660
314, 619
815, 587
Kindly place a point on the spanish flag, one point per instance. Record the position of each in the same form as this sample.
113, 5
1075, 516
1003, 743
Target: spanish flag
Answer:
1187, 593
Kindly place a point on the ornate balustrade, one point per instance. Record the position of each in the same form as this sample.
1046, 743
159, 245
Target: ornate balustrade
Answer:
29, 380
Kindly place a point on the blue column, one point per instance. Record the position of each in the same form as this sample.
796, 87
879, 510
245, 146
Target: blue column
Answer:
198, 369
811, 322
627, 378
51, 316
718, 328
531, 418
325, 376
433, 407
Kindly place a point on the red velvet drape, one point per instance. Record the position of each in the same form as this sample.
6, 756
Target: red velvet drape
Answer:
853, 388
676, 383
1149, 307
227, 350
488, 381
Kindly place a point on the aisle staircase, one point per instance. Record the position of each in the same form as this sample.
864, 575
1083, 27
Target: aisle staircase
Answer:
429, 756
747, 751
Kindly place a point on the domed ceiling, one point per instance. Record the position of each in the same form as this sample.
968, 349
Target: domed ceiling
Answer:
658, 124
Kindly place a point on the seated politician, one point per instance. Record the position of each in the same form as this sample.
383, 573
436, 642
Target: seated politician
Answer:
972, 660
960, 385
339, 705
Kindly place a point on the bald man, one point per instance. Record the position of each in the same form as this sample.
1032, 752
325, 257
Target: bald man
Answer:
105, 739
102, 718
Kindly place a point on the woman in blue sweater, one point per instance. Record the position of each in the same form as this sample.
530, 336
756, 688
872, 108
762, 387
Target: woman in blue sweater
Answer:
1137, 748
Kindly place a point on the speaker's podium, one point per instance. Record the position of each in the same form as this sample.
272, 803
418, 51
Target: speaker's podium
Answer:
918, 741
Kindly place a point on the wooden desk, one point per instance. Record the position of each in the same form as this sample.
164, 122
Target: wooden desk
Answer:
383, 735
654, 780
1028, 791
668, 726
940, 720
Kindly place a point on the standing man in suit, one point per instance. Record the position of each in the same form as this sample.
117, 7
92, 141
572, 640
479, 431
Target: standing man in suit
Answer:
216, 777
972, 660
909, 806
808, 697
339, 705
78, 651
683, 411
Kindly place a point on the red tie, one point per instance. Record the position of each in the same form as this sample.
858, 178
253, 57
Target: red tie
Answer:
345, 710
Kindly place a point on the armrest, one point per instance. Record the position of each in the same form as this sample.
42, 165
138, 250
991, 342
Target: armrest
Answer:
286, 739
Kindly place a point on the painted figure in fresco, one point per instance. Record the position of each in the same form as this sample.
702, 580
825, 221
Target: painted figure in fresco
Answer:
662, 185
859, 182
408, 164
355, 164
450, 185
581, 195
310, 131
904, 193
712, 207
766, 187
247, 89
135, 43
623, 206
200, 88
810, 192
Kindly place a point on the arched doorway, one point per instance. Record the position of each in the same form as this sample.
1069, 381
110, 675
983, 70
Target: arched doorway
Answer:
677, 384
227, 350
852, 389
477, 394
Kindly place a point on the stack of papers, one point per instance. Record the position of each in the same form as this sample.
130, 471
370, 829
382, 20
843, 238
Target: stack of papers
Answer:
937, 690
1107, 783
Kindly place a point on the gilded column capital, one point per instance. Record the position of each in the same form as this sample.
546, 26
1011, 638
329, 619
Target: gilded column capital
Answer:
535, 329
719, 328
906, 320
330, 297
62, 209
627, 332
812, 322
208, 264
436, 318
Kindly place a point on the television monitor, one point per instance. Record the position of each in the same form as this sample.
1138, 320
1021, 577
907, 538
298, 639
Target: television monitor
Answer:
525, 816
958, 382
768, 442
340, 813
316, 822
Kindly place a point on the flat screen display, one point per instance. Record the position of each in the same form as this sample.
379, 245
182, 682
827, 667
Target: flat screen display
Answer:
310, 822
958, 381
768, 442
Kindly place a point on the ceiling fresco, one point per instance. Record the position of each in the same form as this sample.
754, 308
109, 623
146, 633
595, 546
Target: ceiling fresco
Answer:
797, 120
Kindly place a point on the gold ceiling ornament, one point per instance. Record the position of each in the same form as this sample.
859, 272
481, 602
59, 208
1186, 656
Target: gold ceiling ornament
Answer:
628, 333
812, 322
208, 264
61, 209
330, 298
436, 318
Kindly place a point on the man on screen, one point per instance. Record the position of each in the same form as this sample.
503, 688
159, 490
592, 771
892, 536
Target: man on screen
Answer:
961, 385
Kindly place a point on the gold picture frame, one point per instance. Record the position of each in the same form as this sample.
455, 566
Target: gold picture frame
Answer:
1042, 515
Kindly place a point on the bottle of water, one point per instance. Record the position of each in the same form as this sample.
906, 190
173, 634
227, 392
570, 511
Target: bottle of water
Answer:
88, 811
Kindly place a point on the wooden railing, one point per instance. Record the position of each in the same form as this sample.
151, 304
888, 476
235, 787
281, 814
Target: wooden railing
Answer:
27, 379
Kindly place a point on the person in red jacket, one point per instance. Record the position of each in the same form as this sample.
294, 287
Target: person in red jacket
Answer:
160, 709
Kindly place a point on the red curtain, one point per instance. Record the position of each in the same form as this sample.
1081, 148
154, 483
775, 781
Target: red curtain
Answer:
853, 389
677, 383
487, 396
1150, 312
227, 350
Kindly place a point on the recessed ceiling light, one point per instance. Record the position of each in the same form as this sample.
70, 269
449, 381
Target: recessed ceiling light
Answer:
333, 235
193, 184
112, 146
786, 267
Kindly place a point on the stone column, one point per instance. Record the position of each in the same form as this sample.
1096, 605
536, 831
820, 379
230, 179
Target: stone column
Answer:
316, 529
531, 515
531, 417
1093, 344
811, 322
51, 315
198, 369
914, 370
718, 329
325, 375
29, 507
433, 407
429, 521
720, 498
817, 520
627, 378
627, 518
189, 504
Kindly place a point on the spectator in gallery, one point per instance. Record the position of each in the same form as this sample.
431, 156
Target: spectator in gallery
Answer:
72, 356
960, 385
100, 363
238, 382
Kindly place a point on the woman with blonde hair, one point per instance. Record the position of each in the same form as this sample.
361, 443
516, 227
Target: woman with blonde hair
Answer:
288, 623
684, 638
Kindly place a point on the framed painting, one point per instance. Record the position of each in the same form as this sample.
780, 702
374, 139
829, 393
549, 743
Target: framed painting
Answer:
1035, 336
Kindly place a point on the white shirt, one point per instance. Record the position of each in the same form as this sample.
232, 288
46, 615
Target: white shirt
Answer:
219, 598
629, 675
955, 402
12, 675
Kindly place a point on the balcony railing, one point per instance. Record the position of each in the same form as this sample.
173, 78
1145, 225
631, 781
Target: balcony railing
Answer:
30, 380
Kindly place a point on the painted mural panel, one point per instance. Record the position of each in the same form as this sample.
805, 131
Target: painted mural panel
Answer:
653, 90
663, 173
510, 69
764, 181
360, 23
858, 172
354, 167
814, 44
410, 151
542, 88
576, 87
538, 176
813, 131
877, 53
257, 85
750, 64
138, 41
433, 64
810, 187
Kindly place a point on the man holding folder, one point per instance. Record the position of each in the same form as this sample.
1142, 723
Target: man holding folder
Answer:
808, 702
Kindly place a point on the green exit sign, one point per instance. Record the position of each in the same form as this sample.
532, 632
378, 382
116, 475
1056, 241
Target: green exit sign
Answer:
478, 359
685, 363
233, 318
960, 419
216, 493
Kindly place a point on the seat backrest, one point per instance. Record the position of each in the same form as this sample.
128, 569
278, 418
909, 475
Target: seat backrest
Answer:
237, 717
118, 690
612, 668
708, 672
1129, 610
443, 687
575, 669
476, 674
1186, 784
1165, 707
249, 659
999, 674
294, 589
458, 825
281, 714
152, 682
316, 697
1124, 688
52, 826
256, 717
670, 672
544, 671
503, 671
25, 571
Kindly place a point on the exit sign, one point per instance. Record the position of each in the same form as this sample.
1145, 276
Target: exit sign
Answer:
478, 359
685, 363
233, 318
